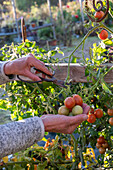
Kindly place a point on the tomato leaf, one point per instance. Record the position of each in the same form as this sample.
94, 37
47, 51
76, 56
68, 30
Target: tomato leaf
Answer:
106, 88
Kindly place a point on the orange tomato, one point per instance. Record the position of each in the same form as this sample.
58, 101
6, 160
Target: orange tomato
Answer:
103, 35
101, 140
99, 14
105, 145
78, 99
102, 150
98, 113
98, 145
91, 118
110, 112
69, 102
111, 121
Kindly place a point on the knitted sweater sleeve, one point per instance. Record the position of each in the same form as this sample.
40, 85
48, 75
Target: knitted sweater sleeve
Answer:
18, 135
3, 78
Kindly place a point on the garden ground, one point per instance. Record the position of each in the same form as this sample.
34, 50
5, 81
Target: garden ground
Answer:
68, 50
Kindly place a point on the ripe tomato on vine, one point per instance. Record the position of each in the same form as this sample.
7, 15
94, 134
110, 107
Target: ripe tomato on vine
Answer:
98, 113
111, 121
101, 140
91, 118
110, 112
98, 145
103, 35
99, 14
102, 150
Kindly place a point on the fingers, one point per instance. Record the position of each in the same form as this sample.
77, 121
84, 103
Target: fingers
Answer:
31, 76
78, 119
31, 55
38, 64
86, 108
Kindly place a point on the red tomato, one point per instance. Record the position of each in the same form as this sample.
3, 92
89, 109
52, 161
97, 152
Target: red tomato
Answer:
98, 113
111, 121
105, 145
33, 25
91, 118
110, 112
98, 145
103, 35
99, 14
69, 102
101, 140
67, 6
78, 99
76, 16
102, 150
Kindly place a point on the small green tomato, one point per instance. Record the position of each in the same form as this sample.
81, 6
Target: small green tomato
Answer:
63, 110
77, 110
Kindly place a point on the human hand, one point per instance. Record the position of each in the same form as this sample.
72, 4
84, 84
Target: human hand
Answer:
22, 66
64, 124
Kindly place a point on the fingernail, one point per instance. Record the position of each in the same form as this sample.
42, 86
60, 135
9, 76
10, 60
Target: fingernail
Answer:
85, 117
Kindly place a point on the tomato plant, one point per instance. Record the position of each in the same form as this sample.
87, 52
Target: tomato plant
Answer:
26, 100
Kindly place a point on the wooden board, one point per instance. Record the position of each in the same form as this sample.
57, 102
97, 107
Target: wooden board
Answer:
77, 72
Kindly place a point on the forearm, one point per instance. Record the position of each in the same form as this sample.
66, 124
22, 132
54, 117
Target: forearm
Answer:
3, 78
19, 135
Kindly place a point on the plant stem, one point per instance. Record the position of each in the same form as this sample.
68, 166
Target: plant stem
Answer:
75, 149
83, 40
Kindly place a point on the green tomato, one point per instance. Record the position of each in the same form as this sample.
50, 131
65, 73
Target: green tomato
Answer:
77, 110
63, 110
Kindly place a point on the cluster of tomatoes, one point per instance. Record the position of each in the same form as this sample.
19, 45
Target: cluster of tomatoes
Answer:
110, 113
72, 106
102, 145
103, 34
93, 114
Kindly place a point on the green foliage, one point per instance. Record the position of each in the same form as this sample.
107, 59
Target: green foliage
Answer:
26, 100
45, 33
64, 28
